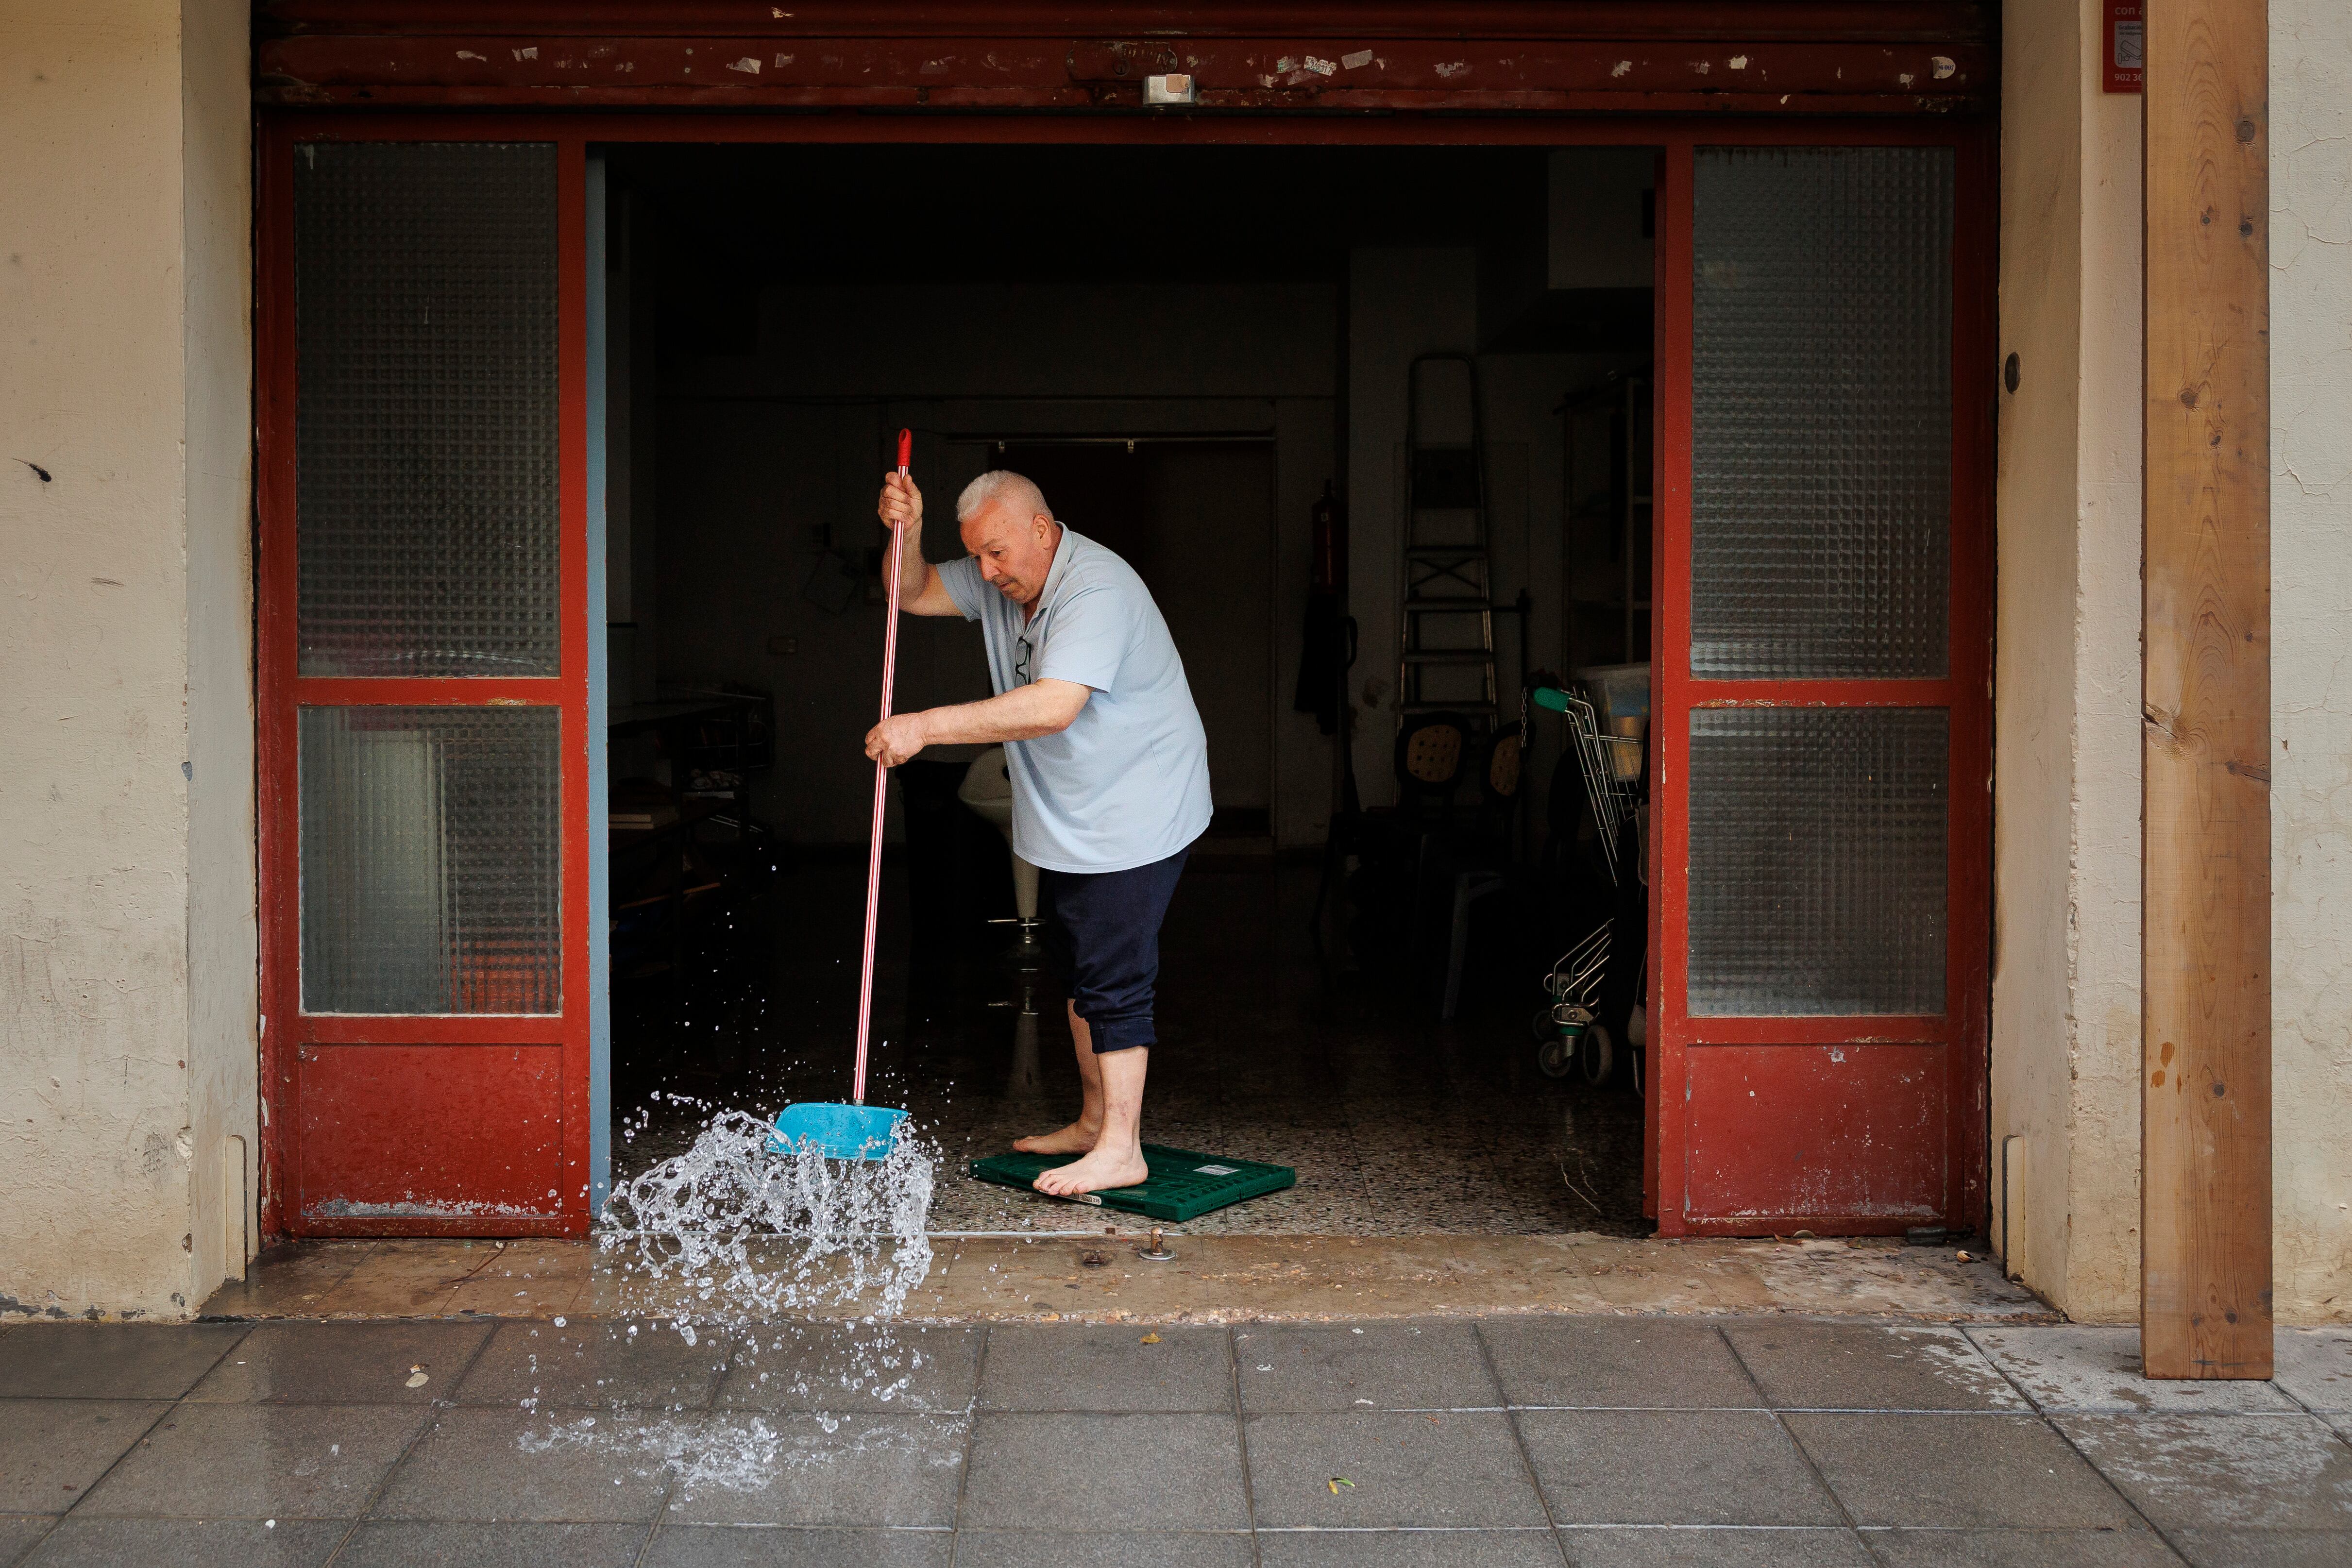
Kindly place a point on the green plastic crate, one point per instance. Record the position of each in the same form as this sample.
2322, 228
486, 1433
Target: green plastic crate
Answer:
1182, 1185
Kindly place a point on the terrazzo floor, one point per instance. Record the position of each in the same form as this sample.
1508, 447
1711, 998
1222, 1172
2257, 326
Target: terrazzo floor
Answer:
1397, 1125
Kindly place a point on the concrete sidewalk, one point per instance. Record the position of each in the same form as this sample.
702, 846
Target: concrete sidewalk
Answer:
1524, 1440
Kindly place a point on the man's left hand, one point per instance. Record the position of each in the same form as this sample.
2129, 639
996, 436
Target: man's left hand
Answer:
896, 739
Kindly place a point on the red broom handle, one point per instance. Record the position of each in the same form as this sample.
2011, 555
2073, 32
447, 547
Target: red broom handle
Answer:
881, 795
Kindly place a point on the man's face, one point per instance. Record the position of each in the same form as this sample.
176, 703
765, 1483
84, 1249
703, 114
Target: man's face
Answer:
1014, 552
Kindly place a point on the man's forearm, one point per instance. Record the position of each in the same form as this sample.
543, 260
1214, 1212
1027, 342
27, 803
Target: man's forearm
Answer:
1024, 713
911, 565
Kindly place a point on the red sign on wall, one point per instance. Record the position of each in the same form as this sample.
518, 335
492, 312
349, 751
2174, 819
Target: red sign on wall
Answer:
2127, 40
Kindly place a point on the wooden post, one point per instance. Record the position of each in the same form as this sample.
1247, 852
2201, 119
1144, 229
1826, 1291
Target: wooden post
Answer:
2205, 1146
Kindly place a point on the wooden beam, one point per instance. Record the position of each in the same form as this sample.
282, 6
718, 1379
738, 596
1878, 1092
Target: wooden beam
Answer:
2205, 1148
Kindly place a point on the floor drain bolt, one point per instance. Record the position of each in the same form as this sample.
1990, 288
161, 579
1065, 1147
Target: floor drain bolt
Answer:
1157, 1251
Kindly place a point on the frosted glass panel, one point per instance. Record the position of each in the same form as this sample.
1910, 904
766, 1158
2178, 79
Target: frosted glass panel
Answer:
425, 426
1819, 849
431, 864
1821, 414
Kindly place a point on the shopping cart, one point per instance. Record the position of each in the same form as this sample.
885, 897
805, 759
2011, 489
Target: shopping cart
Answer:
1584, 987
1612, 765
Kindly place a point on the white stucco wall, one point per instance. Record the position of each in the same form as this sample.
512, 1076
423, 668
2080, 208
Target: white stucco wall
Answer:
2066, 699
2067, 842
2310, 657
126, 904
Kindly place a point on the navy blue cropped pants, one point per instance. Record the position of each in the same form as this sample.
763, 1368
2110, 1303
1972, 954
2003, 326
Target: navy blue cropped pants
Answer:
1102, 933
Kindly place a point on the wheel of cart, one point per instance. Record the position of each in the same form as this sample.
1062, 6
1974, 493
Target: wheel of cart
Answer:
1595, 1018
1569, 1034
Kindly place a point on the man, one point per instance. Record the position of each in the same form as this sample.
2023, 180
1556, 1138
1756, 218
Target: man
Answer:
1109, 768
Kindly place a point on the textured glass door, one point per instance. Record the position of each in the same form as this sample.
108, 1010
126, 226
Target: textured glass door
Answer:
423, 683
1821, 767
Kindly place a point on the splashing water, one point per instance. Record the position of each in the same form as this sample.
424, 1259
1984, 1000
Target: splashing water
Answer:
728, 1232
728, 1236
749, 1454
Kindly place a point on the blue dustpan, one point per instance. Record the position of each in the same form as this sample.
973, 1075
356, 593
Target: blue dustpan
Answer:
837, 1132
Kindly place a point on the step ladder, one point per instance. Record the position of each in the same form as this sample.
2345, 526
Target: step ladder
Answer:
1446, 613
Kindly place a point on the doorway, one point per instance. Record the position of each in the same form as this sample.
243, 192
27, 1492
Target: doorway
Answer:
1185, 394
758, 352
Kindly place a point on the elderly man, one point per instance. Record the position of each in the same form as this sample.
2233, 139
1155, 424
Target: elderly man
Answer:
1109, 769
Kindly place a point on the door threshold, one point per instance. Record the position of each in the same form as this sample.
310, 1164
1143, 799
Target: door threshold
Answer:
1097, 1277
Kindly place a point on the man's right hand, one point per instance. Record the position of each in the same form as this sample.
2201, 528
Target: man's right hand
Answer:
920, 591
901, 506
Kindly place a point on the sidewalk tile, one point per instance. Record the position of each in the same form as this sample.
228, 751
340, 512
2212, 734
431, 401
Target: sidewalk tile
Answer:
2264, 1472
1105, 1369
597, 1366
855, 1367
304, 1363
2084, 1366
1105, 1473
1958, 1471
260, 1461
1672, 1467
1617, 1362
2315, 1366
797, 1468
17, 1534
518, 1464
2266, 1547
1870, 1366
110, 1360
2023, 1549
1344, 1367
53, 1450
379, 1543
1409, 1549
1716, 1546
1407, 1470
189, 1543
1040, 1549
737, 1546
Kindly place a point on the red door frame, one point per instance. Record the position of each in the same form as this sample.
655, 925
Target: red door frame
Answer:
1962, 1032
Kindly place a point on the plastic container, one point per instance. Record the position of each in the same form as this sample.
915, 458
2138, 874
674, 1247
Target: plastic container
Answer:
1622, 690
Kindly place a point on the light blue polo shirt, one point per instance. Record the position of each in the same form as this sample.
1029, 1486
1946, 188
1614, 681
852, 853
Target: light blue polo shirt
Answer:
1128, 783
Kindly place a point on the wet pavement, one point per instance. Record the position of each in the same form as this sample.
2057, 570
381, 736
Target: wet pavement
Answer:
1397, 1124
1507, 1440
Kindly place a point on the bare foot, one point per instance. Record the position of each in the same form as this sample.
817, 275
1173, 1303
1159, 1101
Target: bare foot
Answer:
1105, 1168
1077, 1138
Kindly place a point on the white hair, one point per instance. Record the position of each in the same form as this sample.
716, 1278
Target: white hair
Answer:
1021, 495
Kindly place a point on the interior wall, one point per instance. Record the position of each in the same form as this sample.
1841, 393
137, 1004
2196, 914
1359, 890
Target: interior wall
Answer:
2065, 1028
771, 456
126, 909
2311, 681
